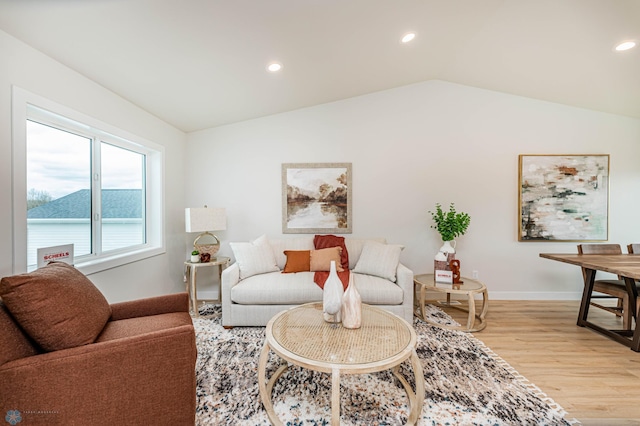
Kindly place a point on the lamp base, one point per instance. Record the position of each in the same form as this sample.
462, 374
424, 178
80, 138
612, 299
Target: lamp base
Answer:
210, 248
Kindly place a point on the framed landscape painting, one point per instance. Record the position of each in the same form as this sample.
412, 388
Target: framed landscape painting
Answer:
316, 198
563, 197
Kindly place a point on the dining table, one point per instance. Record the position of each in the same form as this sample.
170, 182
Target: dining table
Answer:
627, 267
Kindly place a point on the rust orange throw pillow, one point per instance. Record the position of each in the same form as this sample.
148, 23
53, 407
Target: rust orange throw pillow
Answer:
321, 259
297, 261
326, 241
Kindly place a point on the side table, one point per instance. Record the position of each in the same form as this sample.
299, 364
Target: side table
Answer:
191, 273
469, 288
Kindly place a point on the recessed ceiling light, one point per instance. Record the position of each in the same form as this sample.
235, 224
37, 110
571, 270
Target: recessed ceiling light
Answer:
408, 37
625, 46
274, 67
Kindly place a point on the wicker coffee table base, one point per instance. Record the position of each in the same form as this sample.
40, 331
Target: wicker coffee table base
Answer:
416, 399
300, 336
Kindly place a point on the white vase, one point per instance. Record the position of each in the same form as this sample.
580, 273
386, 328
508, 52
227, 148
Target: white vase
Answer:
195, 258
440, 257
351, 306
445, 255
448, 248
447, 251
332, 296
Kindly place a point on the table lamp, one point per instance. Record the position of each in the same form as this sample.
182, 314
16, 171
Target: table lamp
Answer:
205, 220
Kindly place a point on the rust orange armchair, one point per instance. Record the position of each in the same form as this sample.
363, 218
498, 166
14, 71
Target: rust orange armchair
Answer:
139, 368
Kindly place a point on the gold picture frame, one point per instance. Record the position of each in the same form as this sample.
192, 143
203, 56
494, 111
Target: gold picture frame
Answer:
316, 198
563, 197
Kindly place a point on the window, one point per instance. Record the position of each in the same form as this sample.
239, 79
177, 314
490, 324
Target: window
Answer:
84, 183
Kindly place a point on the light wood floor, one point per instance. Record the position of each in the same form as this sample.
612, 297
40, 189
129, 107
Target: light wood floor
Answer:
595, 379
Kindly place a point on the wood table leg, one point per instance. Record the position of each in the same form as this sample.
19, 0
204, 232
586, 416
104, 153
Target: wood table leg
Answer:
416, 400
423, 295
633, 297
221, 267
335, 397
630, 283
419, 295
472, 316
194, 295
483, 311
589, 278
635, 342
416, 409
485, 304
266, 388
472, 310
188, 283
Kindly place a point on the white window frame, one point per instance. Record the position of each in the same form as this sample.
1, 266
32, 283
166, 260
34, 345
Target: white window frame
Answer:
27, 105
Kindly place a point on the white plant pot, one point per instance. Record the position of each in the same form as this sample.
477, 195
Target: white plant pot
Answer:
195, 258
448, 247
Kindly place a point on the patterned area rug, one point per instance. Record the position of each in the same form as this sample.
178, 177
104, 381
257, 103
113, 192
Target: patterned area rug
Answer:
466, 384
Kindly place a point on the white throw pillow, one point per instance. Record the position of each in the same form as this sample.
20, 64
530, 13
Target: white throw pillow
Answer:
380, 260
355, 246
255, 257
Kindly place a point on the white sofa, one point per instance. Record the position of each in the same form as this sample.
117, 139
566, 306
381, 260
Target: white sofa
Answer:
253, 300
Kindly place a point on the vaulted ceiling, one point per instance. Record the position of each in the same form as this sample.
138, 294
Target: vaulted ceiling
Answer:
202, 63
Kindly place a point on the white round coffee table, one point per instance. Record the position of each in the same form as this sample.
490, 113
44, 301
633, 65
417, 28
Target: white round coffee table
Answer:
300, 336
468, 288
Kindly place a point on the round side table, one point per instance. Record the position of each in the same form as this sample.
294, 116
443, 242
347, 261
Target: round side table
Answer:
469, 288
191, 272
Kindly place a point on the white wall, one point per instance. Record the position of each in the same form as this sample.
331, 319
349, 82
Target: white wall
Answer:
410, 148
27, 68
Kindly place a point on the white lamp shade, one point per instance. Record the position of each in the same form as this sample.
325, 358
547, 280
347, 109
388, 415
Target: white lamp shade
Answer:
205, 219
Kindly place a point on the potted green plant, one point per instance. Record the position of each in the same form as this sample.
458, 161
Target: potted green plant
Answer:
195, 256
449, 225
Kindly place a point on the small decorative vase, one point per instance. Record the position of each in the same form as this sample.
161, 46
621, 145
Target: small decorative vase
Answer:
446, 254
351, 306
332, 296
448, 248
195, 258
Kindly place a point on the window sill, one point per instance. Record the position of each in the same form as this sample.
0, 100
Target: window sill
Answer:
94, 266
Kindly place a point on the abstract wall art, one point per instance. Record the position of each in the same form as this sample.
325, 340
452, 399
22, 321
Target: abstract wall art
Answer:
563, 197
316, 198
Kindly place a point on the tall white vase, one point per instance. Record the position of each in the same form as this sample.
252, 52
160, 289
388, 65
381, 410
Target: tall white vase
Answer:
332, 296
351, 306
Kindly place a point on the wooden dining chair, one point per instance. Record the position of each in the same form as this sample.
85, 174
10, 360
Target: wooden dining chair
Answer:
609, 289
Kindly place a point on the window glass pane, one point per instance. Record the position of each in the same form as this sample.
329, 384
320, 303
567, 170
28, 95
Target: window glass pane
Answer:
58, 190
122, 197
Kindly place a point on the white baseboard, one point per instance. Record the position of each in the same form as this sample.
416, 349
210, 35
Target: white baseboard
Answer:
514, 295
534, 295
208, 295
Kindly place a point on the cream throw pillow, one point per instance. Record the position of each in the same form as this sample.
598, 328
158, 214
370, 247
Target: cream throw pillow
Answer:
380, 260
255, 257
